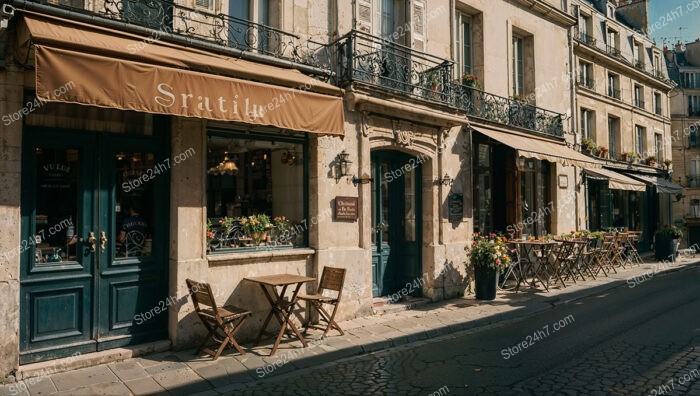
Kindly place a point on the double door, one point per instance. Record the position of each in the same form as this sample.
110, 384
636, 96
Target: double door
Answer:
396, 223
94, 242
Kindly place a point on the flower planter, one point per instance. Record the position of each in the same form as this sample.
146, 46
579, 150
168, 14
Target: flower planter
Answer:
485, 282
665, 247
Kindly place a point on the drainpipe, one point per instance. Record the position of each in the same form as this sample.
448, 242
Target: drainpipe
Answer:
440, 186
185, 41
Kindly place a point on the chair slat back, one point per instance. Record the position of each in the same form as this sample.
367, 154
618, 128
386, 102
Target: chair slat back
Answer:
202, 295
332, 279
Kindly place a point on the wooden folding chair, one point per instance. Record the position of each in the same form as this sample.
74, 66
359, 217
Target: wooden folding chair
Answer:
331, 279
220, 321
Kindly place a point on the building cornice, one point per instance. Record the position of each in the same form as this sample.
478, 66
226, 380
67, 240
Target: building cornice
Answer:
549, 11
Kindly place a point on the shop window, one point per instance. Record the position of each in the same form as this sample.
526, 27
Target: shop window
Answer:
482, 185
534, 195
256, 192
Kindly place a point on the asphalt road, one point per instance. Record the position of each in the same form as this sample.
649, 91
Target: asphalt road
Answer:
643, 340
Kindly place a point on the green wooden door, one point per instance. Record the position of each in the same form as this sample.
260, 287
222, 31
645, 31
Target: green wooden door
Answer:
93, 254
396, 208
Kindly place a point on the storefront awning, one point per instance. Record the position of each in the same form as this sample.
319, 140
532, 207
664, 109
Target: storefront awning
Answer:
112, 69
542, 149
662, 185
616, 181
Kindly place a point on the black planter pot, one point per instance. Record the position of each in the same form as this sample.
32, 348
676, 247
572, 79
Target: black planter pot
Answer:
485, 282
665, 248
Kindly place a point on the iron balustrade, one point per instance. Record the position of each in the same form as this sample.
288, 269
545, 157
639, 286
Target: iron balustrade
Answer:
692, 181
394, 67
586, 82
586, 39
614, 93
614, 51
168, 17
494, 108
640, 103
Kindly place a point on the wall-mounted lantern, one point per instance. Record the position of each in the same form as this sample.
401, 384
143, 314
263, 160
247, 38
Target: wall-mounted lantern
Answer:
343, 165
445, 181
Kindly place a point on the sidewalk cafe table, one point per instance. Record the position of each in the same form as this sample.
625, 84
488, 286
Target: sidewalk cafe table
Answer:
281, 307
535, 255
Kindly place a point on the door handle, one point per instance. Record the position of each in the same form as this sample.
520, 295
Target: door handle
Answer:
93, 242
103, 241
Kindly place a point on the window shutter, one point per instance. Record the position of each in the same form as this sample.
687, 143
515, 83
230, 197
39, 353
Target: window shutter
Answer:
418, 24
205, 4
364, 16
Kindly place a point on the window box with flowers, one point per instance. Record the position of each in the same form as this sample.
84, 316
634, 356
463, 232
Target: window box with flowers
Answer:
489, 255
257, 192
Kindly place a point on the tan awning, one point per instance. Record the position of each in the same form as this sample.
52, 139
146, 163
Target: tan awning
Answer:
107, 68
617, 181
542, 149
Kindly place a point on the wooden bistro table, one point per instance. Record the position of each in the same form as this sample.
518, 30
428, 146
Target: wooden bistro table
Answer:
540, 251
281, 308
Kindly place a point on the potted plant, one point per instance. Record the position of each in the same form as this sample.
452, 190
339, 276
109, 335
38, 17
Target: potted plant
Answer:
282, 228
651, 160
489, 255
256, 227
209, 234
588, 145
434, 80
471, 81
602, 151
668, 163
666, 241
629, 156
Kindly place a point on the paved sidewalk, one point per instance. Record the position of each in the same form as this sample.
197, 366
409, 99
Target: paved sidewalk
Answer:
183, 373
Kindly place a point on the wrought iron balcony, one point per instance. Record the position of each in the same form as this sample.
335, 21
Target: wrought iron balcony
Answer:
613, 93
169, 17
614, 51
586, 82
586, 39
692, 181
393, 67
507, 111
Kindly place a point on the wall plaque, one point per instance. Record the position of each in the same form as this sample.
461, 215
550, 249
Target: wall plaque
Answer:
455, 204
346, 208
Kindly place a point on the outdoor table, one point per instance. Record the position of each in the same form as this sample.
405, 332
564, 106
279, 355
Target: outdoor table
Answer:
280, 308
539, 264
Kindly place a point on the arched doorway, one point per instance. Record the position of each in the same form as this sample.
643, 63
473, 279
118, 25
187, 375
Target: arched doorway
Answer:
396, 222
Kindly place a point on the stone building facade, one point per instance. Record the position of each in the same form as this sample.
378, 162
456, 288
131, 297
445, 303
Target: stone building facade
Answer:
427, 120
622, 106
684, 67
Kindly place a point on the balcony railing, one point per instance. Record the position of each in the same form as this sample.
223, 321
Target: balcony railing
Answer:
586, 39
692, 181
168, 17
494, 108
639, 103
390, 66
614, 93
586, 82
614, 51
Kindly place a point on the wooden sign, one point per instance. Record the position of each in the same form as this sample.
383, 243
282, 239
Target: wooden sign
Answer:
455, 204
346, 208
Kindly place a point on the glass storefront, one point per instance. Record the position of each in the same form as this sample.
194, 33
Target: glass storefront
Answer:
256, 191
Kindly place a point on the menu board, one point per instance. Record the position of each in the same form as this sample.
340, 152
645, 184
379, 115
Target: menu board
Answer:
455, 203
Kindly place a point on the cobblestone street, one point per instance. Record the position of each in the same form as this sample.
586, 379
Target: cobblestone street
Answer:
630, 341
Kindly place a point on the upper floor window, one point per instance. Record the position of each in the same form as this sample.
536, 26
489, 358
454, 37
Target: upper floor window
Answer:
640, 138
587, 123
694, 206
518, 68
639, 96
585, 70
611, 12
693, 105
690, 80
657, 103
614, 136
658, 68
613, 43
659, 146
464, 45
243, 34
613, 85
638, 54
693, 136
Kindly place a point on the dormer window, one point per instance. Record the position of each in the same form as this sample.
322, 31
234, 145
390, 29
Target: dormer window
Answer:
611, 11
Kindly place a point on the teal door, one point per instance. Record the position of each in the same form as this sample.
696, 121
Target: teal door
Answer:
94, 237
396, 223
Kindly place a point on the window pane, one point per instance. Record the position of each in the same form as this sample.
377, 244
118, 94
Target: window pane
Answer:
255, 193
135, 203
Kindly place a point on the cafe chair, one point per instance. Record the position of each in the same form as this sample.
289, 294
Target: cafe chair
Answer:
332, 279
222, 322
